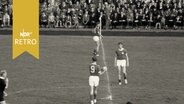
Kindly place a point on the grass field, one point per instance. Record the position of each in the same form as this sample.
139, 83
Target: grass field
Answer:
60, 76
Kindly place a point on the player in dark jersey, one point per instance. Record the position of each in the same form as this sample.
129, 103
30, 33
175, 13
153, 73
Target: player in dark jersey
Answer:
2, 86
121, 61
94, 79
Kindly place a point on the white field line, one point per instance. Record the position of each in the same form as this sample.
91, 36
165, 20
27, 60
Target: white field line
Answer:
105, 63
107, 73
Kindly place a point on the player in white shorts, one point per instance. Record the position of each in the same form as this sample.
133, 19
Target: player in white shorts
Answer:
121, 61
94, 79
96, 38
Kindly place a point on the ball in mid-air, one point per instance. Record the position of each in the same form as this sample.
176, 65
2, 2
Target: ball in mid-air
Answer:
105, 68
96, 38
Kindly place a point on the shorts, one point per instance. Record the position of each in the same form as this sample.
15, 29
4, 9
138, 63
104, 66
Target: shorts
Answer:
2, 102
96, 38
94, 80
121, 63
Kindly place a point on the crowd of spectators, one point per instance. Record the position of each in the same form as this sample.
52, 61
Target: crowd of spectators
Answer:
5, 13
115, 13
159, 14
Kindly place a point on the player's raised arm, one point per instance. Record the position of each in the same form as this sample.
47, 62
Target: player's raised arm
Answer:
100, 25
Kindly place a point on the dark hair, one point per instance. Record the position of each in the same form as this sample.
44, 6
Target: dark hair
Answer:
2, 72
120, 43
129, 103
94, 58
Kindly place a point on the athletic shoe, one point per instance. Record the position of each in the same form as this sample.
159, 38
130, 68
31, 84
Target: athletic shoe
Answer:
126, 81
94, 101
120, 83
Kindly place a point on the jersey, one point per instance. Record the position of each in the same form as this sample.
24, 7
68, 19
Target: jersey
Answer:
2, 88
94, 70
121, 54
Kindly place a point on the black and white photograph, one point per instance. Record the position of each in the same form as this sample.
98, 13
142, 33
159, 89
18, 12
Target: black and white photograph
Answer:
96, 52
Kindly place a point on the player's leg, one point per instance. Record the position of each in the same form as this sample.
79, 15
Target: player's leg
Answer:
97, 47
119, 74
96, 50
95, 94
96, 39
125, 74
91, 94
96, 82
119, 71
91, 84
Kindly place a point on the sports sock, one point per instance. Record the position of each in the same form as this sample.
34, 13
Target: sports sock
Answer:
91, 97
119, 80
125, 76
95, 96
92, 102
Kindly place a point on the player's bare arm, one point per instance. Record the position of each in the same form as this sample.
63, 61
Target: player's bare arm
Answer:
115, 61
99, 26
127, 59
7, 82
103, 70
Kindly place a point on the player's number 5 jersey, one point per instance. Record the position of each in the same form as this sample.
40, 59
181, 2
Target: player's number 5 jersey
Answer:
94, 70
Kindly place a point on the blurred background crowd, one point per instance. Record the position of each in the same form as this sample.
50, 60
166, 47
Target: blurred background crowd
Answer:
116, 14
